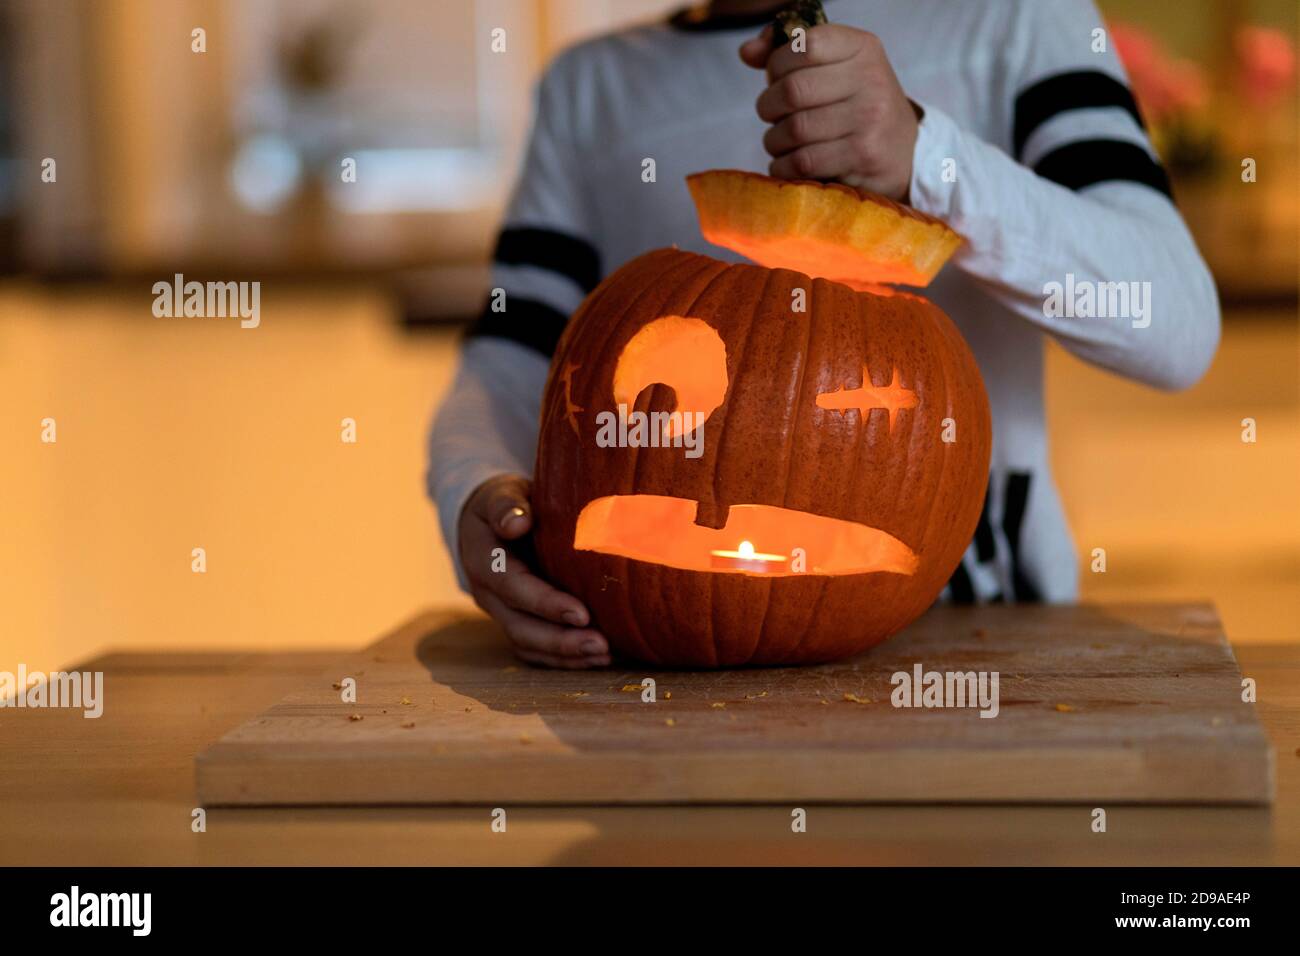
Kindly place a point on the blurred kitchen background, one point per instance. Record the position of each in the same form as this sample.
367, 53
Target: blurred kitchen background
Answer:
175, 435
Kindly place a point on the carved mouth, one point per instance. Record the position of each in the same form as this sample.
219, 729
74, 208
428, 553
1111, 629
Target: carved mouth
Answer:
781, 542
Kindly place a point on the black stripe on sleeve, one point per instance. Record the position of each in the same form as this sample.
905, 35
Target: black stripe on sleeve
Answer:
1085, 89
567, 255
1013, 516
985, 548
960, 587
1087, 162
526, 321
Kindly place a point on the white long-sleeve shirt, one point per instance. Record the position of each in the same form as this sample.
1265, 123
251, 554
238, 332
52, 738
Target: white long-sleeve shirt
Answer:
1030, 147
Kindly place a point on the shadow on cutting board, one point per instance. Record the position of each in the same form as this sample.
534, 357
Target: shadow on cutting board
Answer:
1155, 682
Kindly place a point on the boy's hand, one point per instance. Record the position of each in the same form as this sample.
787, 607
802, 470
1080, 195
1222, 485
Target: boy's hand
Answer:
545, 625
838, 110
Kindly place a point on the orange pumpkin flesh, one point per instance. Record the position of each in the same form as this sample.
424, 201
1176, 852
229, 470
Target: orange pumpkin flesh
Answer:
826, 230
825, 510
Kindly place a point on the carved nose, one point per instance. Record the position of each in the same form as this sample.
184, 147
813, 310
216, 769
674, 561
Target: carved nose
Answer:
711, 514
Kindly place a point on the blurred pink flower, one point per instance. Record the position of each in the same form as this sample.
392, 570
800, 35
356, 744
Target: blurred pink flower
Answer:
1136, 48
1164, 87
1266, 64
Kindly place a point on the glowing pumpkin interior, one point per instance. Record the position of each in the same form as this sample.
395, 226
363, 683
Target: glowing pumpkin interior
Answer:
829, 231
757, 539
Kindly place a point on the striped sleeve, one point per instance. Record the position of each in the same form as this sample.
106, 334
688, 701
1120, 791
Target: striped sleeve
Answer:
1072, 193
545, 261
1083, 127
1075, 120
543, 266
486, 426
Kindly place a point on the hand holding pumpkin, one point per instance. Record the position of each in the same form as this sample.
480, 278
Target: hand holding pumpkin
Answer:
837, 109
545, 625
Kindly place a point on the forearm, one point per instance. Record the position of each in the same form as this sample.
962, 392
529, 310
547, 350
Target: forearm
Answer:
1025, 232
486, 426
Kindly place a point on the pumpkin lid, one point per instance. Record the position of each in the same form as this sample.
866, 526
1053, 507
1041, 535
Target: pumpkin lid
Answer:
827, 230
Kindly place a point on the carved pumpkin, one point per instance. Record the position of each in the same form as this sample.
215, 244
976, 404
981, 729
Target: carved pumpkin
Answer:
726, 479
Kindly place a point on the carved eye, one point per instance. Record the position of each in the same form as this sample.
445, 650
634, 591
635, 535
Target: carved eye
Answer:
686, 355
865, 397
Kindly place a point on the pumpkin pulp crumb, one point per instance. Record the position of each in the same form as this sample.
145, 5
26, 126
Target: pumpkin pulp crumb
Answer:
718, 705
405, 701
855, 699
631, 688
1064, 709
356, 717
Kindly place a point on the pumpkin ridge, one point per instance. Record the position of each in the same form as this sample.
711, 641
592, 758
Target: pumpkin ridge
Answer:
818, 321
769, 281
761, 644
949, 332
724, 433
824, 583
724, 278
857, 322
944, 459
631, 568
913, 419
649, 281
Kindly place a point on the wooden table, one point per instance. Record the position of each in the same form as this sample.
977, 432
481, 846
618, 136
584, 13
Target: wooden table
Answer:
120, 791
1094, 705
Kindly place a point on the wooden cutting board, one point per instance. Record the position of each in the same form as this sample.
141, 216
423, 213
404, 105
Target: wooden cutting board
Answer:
1137, 704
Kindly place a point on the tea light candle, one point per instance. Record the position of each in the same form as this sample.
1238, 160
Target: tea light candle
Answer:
744, 558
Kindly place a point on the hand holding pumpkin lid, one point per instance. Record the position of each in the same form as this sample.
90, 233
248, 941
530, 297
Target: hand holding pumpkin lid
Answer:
827, 230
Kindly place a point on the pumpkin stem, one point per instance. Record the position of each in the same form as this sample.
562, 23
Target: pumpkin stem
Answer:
801, 13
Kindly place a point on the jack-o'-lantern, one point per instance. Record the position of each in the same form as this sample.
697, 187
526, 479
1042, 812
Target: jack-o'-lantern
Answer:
743, 464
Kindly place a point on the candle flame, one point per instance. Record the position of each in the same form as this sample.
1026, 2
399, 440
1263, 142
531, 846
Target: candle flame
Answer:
746, 549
